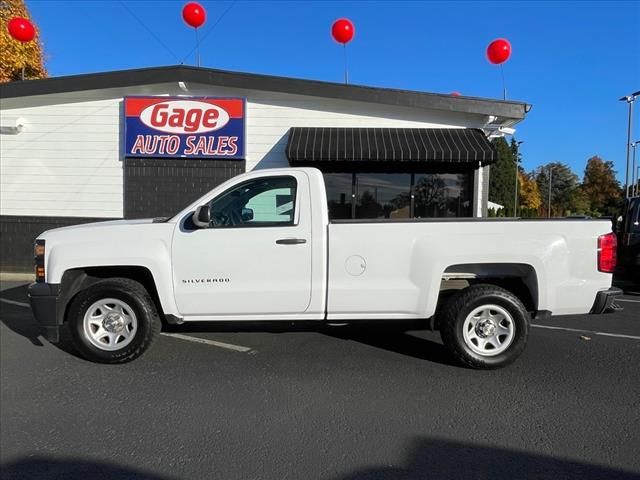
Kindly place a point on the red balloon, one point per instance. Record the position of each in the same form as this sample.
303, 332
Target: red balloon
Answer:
21, 29
343, 30
499, 51
194, 14
456, 94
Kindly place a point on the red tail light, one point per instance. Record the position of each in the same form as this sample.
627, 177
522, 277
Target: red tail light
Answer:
607, 245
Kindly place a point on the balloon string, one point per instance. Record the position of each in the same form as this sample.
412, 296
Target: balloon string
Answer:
24, 61
504, 85
197, 47
211, 28
346, 72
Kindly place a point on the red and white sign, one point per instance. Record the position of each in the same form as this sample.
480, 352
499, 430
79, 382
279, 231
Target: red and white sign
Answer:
184, 127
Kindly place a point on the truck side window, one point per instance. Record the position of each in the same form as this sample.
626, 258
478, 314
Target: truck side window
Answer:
261, 202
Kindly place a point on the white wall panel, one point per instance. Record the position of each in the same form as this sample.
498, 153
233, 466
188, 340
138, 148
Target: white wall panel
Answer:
65, 163
67, 160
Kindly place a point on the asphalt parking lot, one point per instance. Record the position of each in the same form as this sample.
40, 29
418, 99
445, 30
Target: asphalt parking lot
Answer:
334, 403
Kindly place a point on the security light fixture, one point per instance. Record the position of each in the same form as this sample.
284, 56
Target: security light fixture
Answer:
630, 98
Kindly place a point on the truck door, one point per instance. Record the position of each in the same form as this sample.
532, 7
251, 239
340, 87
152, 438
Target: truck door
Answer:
255, 256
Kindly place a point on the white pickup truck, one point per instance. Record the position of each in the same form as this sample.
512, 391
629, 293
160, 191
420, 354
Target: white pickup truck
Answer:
261, 247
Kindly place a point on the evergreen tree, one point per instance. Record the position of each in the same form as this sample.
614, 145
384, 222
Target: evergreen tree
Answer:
502, 177
563, 184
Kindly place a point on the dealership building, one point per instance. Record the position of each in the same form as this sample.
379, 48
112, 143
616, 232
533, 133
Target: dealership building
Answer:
147, 142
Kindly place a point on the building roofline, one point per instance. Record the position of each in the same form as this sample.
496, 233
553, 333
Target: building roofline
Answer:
252, 81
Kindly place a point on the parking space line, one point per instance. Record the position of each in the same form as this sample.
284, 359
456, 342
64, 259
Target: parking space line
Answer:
576, 330
213, 343
13, 302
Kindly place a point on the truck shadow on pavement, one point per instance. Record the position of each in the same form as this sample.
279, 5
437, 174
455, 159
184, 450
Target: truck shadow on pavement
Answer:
396, 340
390, 336
436, 459
19, 318
41, 468
429, 458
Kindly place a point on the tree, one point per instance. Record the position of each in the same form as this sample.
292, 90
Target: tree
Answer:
563, 183
502, 178
529, 196
601, 186
17, 55
579, 203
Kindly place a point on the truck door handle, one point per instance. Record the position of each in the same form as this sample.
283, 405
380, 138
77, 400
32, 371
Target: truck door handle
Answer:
291, 241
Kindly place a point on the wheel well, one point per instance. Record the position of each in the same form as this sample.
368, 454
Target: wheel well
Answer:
77, 279
519, 279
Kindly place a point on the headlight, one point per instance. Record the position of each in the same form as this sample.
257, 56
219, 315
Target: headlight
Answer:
38, 257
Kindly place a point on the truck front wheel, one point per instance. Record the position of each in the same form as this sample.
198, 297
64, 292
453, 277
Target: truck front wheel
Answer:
113, 321
484, 326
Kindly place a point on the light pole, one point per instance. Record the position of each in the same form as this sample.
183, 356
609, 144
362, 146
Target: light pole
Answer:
629, 99
517, 159
550, 180
634, 177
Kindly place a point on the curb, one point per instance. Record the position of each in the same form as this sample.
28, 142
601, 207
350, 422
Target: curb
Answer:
16, 277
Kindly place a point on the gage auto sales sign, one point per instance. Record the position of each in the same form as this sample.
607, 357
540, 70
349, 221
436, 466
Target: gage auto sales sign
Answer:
184, 127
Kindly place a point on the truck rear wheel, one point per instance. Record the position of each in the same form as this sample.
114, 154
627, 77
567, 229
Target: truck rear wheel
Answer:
113, 321
484, 326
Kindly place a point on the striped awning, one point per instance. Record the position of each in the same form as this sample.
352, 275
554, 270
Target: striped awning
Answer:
442, 145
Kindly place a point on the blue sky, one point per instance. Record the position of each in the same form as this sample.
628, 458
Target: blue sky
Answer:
571, 60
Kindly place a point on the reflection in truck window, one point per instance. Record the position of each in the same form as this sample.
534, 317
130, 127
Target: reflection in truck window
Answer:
266, 201
383, 195
274, 205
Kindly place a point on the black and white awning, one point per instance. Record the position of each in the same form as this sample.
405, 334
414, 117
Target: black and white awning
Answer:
441, 145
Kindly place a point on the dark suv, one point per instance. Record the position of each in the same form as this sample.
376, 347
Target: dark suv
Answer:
628, 231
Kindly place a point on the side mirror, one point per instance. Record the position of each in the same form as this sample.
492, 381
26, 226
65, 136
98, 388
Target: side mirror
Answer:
247, 214
202, 216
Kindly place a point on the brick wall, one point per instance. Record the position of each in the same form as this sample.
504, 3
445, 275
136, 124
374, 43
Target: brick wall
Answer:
162, 187
18, 233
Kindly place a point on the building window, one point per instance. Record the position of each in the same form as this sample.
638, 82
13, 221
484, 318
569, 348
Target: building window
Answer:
339, 194
399, 195
383, 195
442, 195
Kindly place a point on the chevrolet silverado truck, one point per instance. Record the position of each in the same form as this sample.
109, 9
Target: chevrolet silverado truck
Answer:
261, 247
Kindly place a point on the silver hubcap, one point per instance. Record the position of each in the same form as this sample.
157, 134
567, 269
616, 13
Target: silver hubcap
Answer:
110, 324
488, 330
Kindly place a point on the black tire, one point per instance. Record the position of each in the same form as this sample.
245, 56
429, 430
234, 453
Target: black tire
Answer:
136, 298
462, 304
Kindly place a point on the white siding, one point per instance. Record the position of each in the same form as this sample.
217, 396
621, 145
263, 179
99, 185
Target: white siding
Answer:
478, 184
67, 161
64, 163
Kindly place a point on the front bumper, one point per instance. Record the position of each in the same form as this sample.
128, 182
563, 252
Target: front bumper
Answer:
606, 301
45, 303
